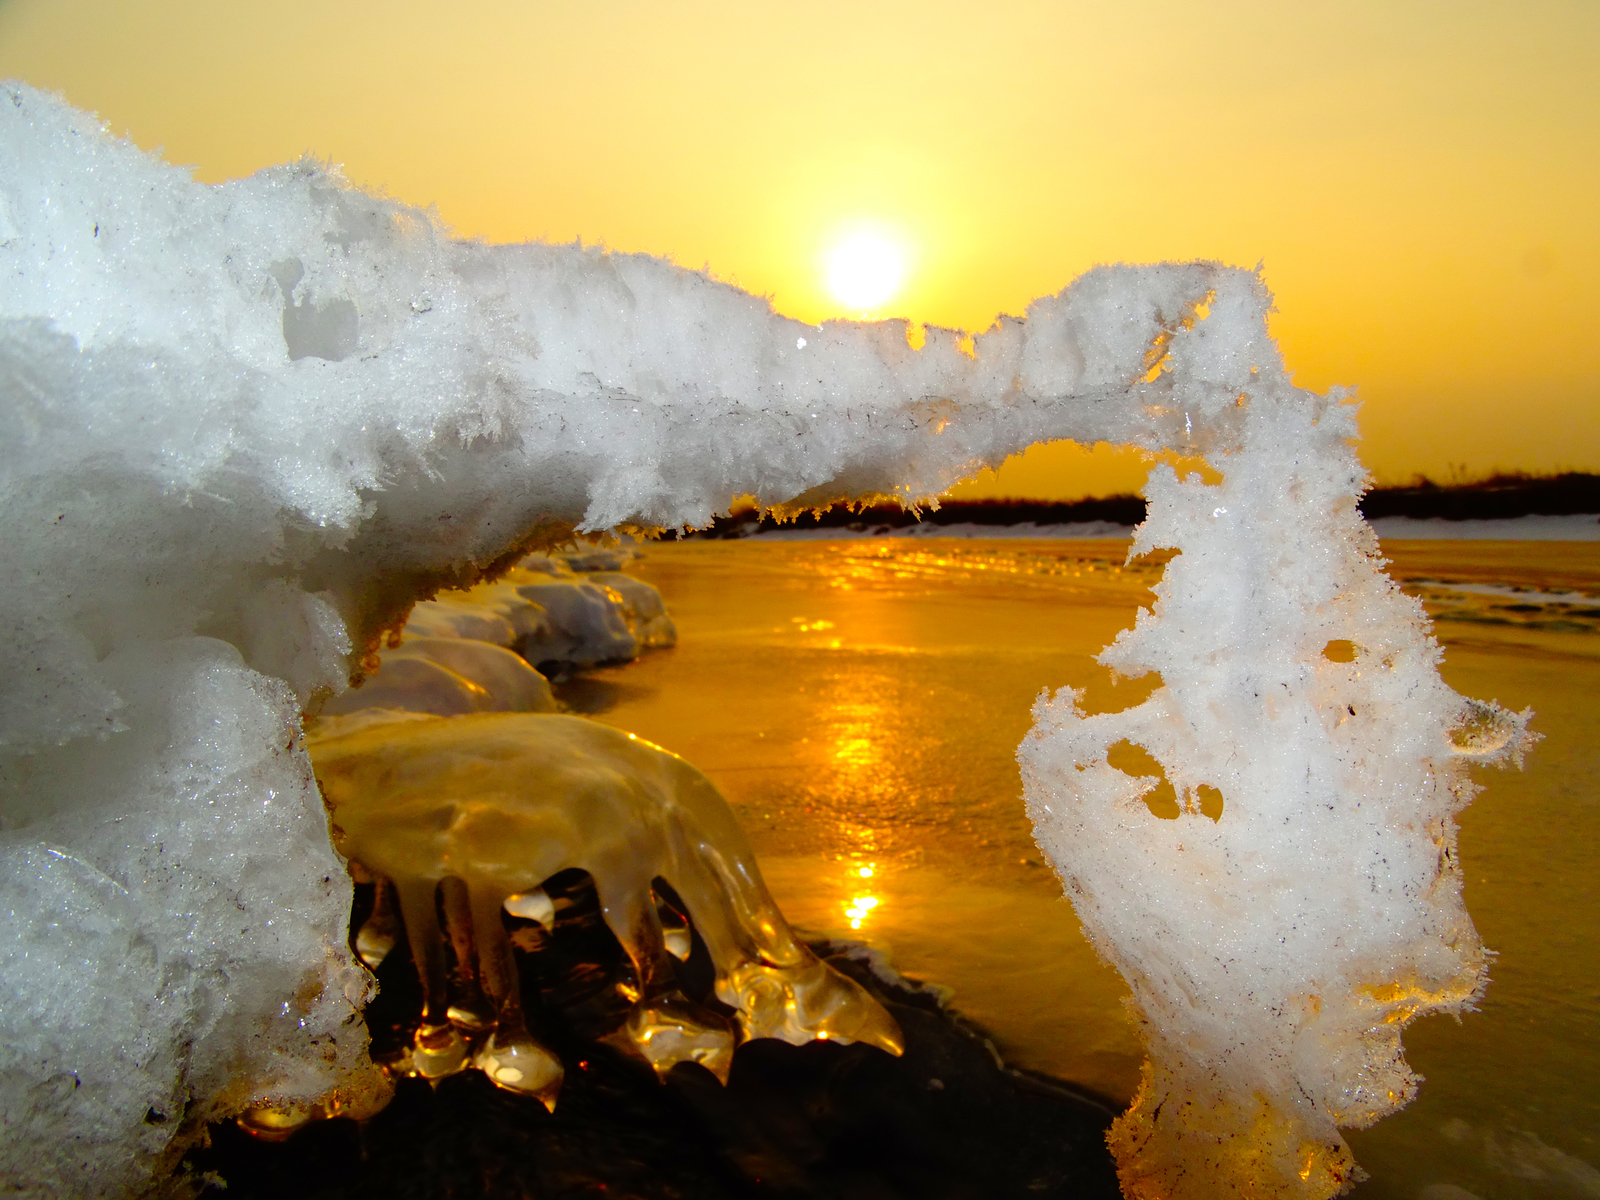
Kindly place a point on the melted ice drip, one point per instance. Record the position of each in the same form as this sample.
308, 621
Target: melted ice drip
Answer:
479, 810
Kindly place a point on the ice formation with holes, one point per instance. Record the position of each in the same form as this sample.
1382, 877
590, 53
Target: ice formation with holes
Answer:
1301, 902
247, 426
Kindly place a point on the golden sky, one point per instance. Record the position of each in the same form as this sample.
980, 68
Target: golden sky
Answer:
1420, 179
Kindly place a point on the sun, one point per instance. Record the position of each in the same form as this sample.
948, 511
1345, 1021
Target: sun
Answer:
865, 267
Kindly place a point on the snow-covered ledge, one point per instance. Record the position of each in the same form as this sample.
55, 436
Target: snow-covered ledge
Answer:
247, 425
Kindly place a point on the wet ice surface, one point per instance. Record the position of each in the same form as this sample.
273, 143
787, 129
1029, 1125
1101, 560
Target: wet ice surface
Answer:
466, 814
859, 703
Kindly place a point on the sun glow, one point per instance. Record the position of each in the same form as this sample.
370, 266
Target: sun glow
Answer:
864, 267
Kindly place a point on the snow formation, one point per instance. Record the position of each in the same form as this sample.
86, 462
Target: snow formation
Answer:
1300, 900
248, 425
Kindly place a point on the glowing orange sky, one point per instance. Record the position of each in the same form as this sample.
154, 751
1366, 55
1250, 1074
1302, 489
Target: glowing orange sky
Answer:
1421, 180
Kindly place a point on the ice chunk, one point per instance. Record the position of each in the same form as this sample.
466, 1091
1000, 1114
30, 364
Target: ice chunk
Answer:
247, 426
552, 615
484, 809
361, 718
603, 559
562, 620
416, 685
585, 625
448, 676
453, 619
642, 609
543, 564
530, 624
169, 897
512, 685
54, 1029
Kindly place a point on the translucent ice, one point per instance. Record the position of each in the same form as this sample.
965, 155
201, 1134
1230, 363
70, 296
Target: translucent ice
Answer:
443, 618
585, 624
451, 656
552, 615
510, 682
248, 426
415, 684
642, 610
483, 809
448, 676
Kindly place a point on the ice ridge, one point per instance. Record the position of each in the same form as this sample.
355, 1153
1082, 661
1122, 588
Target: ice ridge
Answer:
247, 426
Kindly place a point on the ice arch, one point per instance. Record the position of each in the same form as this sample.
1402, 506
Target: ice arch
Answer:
247, 425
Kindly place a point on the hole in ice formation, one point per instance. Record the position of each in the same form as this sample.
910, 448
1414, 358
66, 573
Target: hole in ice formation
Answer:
1158, 355
1209, 800
1117, 693
1135, 760
1340, 650
330, 330
1185, 465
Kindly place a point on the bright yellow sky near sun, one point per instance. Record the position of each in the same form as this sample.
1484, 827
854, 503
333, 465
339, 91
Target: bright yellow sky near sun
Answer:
1420, 180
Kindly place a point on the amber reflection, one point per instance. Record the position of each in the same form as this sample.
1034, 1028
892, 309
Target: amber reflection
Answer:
860, 904
858, 719
887, 764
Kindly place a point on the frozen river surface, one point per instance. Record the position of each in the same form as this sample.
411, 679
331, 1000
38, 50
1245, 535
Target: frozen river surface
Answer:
859, 703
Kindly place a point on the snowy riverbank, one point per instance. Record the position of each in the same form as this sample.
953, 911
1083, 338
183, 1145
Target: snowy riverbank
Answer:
1576, 527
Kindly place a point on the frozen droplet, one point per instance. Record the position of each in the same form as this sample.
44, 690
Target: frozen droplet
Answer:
532, 906
522, 1065
679, 943
275, 1122
1489, 732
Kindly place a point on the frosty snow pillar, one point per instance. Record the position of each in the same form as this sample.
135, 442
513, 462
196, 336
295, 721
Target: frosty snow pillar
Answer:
247, 425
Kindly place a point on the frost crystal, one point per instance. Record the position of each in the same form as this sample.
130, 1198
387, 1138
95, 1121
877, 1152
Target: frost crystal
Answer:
247, 426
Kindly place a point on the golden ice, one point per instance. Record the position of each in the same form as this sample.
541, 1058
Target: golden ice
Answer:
479, 810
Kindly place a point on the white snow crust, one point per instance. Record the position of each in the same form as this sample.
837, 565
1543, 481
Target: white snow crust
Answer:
247, 426
1573, 527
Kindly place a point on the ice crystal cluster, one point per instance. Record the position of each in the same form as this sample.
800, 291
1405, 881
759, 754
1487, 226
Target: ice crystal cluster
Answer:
247, 426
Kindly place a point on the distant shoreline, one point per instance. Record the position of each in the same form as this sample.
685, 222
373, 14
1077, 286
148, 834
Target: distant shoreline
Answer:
1555, 507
